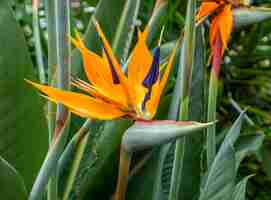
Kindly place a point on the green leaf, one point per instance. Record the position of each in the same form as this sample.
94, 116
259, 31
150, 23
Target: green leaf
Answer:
23, 132
247, 145
184, 82
49, 166
156, 20
11, 183
240, 189
219, 181
191, 174
99, 166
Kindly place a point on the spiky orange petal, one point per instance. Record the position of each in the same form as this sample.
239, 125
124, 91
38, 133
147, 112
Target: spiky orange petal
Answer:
112, 59
138, 67
225, 24
205, 10
98, 72
82, 105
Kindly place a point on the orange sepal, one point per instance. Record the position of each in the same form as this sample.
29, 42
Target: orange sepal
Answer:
98, 72
80, 104
225, 24
205, 10
138, 66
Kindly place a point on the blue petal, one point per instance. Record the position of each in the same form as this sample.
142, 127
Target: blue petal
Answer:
153, 73
146, 98
152, 76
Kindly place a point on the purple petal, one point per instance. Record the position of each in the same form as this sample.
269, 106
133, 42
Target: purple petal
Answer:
153, 73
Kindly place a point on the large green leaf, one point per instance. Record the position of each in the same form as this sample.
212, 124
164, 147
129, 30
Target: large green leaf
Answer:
220, 180
11, 184
219, 183
23, 125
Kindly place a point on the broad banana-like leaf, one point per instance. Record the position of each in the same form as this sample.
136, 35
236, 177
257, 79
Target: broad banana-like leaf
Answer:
249, 16
11, 183
23, 133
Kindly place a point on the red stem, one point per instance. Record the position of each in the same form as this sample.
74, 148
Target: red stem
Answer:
217, 55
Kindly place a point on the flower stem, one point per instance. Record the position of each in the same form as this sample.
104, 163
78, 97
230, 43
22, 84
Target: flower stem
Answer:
212, 100
79, 141
124, 165
38, 48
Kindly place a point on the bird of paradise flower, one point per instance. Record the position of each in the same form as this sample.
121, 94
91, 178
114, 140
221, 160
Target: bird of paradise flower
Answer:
220, 30
112, 93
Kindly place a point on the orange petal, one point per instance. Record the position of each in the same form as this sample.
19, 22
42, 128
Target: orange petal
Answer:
225, 24
213, 31
110, 53
94, 66
113, 61
98, 72
82, 105
139, 65
205, 10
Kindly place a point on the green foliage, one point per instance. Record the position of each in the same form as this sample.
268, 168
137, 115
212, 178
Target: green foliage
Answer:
12, 184
88, 168
23, 134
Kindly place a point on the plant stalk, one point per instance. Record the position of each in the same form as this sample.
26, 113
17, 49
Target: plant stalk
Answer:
79, 142
124, 165
63, 56
38, 47
212, 100
52, 60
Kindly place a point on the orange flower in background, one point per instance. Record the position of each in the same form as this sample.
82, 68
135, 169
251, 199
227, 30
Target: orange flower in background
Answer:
221, 27
112, 94
221, 22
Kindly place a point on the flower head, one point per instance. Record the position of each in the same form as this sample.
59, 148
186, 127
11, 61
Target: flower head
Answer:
221, 23
112, 94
